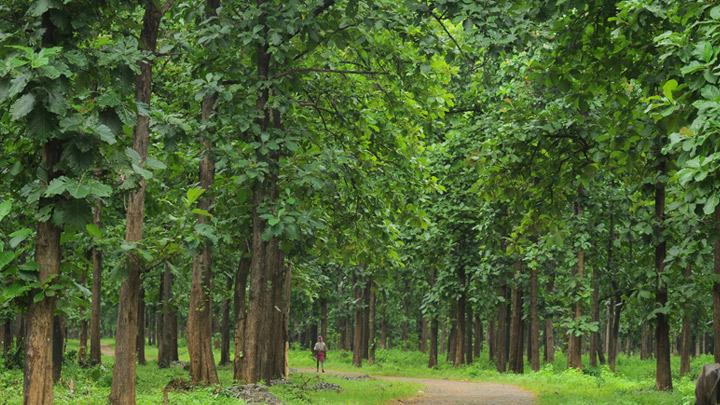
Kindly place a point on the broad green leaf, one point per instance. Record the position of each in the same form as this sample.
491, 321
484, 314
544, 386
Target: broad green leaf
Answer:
6, 258
710, 204
94, 231
146, 174
105, 134
669, 87
5, 208
56, 187
19, 236
193, 194
153, 163
22, 106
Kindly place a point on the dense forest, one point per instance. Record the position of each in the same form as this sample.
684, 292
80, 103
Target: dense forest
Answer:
474, 182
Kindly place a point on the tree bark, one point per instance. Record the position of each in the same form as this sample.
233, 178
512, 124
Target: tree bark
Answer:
38, 373
595, 313
358, 321
240, 310
82, 346
534, 322
433, 357
663, 377
140, 343
516, 336
371, 325
477, 348
460, 319
501, 335
575, 341
225, 328
469, 327
491, 340
123, 381
686, 338
58, 346
613, 345
7, 337
167, 344
96, 308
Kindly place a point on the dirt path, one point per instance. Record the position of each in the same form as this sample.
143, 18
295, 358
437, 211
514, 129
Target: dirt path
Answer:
107, 350
446, 392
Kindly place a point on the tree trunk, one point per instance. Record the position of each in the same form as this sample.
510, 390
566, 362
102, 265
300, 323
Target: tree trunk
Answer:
575, 341
645, 342
459, 357
140, 343
38, 373
595, 313
501, 335
477, 348
433, 357
225, 328
7, 337
358, 321
516, 336
371, 325
167, 345
366, 322
82, 346
686, 339
663, 377
240, 310
451, 346
613, 345
95, 314
534, 322
58, 346
422, 341
123, 381
469, 327
491, 340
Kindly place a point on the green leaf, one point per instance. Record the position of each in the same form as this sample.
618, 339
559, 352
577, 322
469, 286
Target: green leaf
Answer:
668, 88
710, 204
133, 155
77, 190
193, 194
6, 258
94, 231
22, 106
19, 236
715, 13
153, 163
5, 208
202, 212
39, 7
146, 174
105, 134
56, 187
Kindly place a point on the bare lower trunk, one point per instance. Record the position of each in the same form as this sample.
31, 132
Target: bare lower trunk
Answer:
469, 327
501, 335
663, 376
433, 357
371, 325
96, 293
614, 345
595, 313
477, 348
534, 322
140, 343
38, 375
515, 359
686, 338
225, 328
123, 381
491, 340
82, 345
58, 346
167, 343
240, 313
459, 357
357, 331
575, 340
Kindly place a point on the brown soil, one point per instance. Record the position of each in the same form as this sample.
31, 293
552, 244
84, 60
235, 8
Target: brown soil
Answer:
445, 392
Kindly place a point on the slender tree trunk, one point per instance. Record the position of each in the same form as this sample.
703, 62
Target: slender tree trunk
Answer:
82, 346
366, 322
451, 346
58, 346
383, 333
225, 328
500, 336
7, 337
422, 342
167, 347
645, 342
534, 322
491, 340
575, 341
357, 336
96, 293
38, 374
123, 381
477, 348
516, 337
459, 357
469, 328
371, 325
595, 310
240, 313
663, 377
614, 345
686, 339
140, 343
433, 357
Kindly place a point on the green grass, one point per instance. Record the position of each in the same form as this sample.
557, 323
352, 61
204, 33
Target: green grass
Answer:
633, 383
91, 386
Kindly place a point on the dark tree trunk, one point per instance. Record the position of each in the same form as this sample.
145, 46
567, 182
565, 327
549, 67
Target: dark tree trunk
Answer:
663, 377
433, 357
123, 380
451, 346
595, 313
549, 328
575, 341
82, 346
477, 348
459, 357
58, 346
38, 373
645, 342
686, 339
7, 337
358, 322
95, 314
383, 333
614, 346
225, 328
516, 335
371, 324
501, 345
469, 327
140, 343
241, 277
366, 322
491, 340
167, 344
534, 343
422, 341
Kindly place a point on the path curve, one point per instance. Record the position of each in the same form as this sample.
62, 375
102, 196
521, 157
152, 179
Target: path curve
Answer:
446, 392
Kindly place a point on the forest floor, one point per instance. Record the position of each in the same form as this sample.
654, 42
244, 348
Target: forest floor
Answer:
398, 376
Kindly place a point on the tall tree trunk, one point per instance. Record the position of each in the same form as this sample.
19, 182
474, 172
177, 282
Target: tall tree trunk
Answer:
358, 321
491, 340
422, 341
140, 343
366, 322
645, 342
469, 327
123, 381
82, 346
58, 346
575, 341
199, 324
477, 348
38, 373
534, 322
96, 308
663, 377
451, 346
7, 337
433, 357
225, 328
240, 310
686, 339
501, 335
549, 354
168, 346
459, 357
516, 336
383, 333
371, 324
614, 345
595, 313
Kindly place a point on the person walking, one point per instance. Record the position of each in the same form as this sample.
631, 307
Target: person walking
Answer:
319, 350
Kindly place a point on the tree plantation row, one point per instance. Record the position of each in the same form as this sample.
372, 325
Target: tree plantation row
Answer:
524, 175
